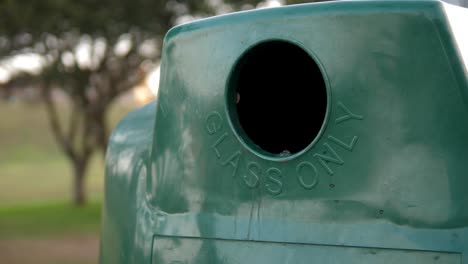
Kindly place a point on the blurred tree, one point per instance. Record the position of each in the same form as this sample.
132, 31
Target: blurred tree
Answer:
93, 51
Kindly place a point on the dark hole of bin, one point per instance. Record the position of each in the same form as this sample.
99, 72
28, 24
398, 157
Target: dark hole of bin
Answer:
281, 99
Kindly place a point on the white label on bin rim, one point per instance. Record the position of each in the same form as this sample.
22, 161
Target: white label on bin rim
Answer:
458, 20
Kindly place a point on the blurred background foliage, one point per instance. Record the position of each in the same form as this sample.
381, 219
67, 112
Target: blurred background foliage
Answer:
69, 70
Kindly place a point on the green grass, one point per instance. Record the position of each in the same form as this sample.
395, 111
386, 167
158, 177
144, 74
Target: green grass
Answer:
32, 182
49, 220
32, 168
36, 179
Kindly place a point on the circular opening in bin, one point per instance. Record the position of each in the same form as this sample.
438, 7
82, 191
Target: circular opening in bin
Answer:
277, 98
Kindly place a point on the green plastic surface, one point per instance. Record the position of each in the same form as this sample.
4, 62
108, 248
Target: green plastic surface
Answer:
384, 182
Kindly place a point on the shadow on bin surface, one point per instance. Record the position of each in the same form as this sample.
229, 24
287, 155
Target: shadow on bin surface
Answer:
318, 133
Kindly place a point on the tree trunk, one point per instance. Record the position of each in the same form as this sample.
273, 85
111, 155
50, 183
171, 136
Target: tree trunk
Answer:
101, 130
79, 195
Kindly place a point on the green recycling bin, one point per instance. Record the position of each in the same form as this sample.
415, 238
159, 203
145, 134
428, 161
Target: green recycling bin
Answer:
319, 133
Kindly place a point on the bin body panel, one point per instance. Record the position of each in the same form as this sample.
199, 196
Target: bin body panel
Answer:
385, 180
196, 250
124, 234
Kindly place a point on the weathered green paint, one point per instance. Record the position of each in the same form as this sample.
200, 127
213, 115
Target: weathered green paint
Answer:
182, 188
